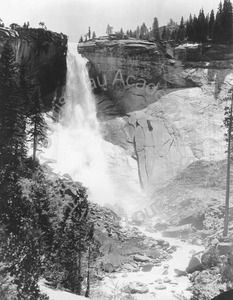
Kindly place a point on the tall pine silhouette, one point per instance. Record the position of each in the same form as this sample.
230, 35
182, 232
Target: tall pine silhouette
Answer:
38, 128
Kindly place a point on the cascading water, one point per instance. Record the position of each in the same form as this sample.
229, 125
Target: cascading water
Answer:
76, 145
77, 148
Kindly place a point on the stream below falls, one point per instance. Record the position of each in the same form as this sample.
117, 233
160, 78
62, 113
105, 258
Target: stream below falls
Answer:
174, 287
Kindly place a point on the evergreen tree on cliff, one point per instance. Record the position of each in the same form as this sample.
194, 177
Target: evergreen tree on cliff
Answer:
211, 24
81, 39
227, 18
155, 29
217, 27
93, 35
190, 29
164, 33
137, 33
181, 31
109, 29
144, 34
202, 27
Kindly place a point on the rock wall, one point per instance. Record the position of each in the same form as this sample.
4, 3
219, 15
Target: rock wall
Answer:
45, 55
171, 100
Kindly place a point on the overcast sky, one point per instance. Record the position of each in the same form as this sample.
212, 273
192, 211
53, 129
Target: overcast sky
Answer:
73, 17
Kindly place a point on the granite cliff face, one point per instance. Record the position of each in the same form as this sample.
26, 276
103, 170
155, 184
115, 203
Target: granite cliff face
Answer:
163, 105
44, 53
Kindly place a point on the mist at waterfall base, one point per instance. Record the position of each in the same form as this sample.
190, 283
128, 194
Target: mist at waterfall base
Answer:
77, 148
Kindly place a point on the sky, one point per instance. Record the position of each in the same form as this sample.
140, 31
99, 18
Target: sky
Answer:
73, 17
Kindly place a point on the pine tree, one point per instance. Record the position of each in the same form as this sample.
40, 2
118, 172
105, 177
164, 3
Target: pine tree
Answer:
211, 23
217, 27
28, 230
93, 35
20, 249
13, 150
38, 128
174, 35
137, 32
144, 34
109, 29
189, 25
12, 112
164, 33
72, 240
202, 27
1, 23
227, 18
155, 29
81, 39
122, 34
181, 31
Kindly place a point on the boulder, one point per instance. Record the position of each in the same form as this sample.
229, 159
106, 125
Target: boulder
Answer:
166, 280
214, 242
178, 231
195, 264
150, 243
141, 258
224, 248
195, 220
147, 268
108, 267
210, 258
165, 245
160, 226
128, 267
224, 296
180, 273
155, 254
160, 286
165, 272
160, 242
136, 288
171, 249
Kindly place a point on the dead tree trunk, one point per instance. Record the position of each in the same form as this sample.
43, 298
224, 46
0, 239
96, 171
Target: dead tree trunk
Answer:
225, 231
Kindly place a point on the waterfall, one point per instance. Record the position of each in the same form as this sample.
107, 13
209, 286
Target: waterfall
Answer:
76, 145
77, 148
